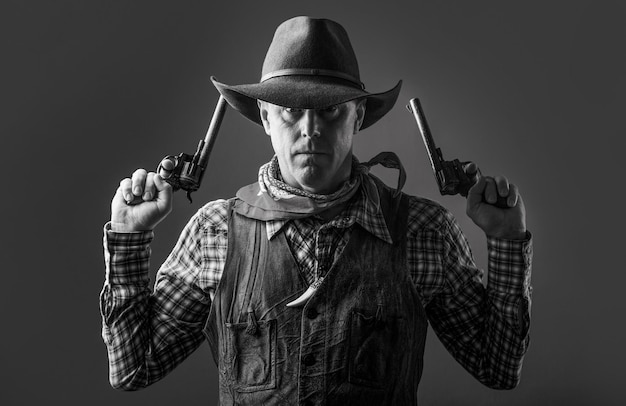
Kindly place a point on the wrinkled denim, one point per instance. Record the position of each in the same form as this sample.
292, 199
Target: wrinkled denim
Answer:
358, 340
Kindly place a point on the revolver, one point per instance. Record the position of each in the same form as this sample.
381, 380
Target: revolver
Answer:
189, 169
450, 175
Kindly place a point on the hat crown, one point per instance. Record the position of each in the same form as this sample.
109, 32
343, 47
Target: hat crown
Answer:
320, 46
310, 64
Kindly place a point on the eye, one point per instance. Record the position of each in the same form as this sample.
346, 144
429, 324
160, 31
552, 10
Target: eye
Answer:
329, 112
291, 114
293, 110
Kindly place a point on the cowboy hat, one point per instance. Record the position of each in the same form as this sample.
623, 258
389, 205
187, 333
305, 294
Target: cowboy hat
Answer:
310, 64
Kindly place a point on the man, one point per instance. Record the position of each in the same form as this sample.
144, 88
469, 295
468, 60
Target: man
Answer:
315, 284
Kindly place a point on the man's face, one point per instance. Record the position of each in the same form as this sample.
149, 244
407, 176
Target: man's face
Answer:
314, 147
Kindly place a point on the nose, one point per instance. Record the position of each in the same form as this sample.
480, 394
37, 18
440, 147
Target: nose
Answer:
311, 123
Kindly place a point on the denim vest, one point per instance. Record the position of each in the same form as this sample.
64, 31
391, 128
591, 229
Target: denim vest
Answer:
359, 340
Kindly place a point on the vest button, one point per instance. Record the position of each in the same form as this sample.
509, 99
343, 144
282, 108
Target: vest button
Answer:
308, 360
311, 313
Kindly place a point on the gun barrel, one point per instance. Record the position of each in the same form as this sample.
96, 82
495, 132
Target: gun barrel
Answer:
211, 134
433, 152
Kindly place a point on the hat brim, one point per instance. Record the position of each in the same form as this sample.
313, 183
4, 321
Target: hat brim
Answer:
306, 92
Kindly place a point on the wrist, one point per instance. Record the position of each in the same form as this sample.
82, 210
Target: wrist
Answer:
119, 227
513, 235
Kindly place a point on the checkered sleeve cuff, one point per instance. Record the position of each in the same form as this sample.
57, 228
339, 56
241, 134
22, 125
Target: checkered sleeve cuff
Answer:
510, 265
127, 256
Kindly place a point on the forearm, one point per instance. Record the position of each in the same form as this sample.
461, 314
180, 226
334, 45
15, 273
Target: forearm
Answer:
126, 331
486, 345
486, 330
143, 338
509, 282
143, 347
509, 302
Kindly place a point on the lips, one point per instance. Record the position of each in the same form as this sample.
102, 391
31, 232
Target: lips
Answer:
310, 149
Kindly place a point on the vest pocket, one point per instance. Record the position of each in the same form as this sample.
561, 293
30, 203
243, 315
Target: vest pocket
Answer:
250, 356
373, 349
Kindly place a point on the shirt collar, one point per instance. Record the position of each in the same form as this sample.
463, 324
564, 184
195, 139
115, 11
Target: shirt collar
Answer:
359, 210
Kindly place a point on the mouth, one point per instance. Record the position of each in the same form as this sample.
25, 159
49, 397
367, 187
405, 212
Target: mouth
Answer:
310, 152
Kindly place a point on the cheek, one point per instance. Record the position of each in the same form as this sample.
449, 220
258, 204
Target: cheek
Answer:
345, 148
281, 145
344, 140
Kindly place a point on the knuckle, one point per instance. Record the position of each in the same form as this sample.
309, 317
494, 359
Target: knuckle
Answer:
165, 185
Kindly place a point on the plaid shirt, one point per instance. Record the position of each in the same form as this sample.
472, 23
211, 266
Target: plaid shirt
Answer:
148, 333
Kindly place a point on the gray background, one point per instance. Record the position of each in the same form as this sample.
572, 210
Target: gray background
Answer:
92, 90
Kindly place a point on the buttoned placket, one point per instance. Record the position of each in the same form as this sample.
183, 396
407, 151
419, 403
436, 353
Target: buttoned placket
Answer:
330, 238
328, 247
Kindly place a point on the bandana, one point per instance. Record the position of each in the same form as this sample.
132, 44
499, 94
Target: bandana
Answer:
272, 199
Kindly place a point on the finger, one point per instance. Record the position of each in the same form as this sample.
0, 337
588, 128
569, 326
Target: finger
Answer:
166, 168
126, 189
475, 194
149, 190
502, 185
513, 198
491, 192
164, 189
139, 181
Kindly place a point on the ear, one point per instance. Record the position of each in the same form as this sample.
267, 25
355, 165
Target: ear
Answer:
360, 114
264, 112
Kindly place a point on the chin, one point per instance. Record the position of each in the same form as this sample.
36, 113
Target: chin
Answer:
312, 180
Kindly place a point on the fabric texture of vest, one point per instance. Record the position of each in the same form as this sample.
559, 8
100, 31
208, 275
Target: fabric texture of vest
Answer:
359, 340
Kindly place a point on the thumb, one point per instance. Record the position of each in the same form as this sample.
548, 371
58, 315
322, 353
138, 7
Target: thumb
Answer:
166, 167
470, 168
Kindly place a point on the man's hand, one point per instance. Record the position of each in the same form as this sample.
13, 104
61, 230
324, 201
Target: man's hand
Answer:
507, 223
142, 201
